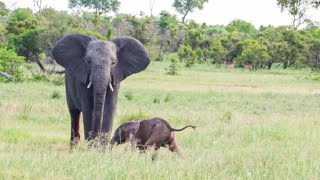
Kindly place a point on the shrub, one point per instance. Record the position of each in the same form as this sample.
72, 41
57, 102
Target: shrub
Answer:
128, 95
11, 63
55, 95
168, 98
173, 68
156, 100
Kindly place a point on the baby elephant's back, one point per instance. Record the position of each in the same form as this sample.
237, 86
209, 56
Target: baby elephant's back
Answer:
155, 129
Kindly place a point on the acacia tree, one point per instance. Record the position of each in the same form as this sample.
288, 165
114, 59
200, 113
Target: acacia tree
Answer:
99, 6
298, 9
184, 7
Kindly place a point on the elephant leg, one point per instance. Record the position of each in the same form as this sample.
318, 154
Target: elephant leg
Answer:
109, 112
86, 102
173, 145
75, 127
87, 121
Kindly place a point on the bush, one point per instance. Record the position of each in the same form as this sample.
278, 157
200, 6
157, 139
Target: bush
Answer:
156, 100
173, 68
128, 95
55, 95
11, 63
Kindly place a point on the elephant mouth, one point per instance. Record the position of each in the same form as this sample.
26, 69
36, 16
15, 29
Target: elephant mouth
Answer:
110, 86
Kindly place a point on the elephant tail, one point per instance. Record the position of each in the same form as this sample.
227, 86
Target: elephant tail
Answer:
173, 129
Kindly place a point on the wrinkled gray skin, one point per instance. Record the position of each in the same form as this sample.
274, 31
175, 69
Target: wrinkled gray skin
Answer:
92, 69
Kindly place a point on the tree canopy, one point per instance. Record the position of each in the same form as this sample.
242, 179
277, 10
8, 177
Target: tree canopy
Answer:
184, 7
100, 6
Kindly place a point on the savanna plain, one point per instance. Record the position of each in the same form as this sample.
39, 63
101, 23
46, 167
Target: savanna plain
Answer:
251, 125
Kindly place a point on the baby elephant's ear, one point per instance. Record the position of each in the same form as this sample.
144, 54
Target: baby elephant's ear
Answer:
133, 127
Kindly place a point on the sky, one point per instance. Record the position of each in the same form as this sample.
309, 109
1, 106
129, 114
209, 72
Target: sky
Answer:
215, 12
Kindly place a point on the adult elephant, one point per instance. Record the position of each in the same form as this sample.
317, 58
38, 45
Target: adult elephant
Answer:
93, 72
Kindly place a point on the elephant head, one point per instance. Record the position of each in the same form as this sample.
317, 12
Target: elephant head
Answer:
125, 132
100, 65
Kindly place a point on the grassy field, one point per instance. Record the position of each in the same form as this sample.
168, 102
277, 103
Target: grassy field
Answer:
251, 125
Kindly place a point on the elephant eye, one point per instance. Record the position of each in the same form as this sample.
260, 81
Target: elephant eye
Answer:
113, 62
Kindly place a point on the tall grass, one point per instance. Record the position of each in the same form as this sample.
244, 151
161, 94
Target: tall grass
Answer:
251, 125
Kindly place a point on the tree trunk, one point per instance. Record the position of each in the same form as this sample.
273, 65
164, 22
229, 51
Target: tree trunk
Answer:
184, 17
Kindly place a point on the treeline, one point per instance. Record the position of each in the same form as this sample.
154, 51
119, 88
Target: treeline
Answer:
26, 36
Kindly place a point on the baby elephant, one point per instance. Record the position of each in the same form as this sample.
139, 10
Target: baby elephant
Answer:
148, 133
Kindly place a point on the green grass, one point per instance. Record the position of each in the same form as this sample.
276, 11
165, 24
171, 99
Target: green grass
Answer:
251, 125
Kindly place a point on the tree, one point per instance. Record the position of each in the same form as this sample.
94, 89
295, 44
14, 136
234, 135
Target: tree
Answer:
100, 6
184, 7
54, 24
251, 52
218, 52
187, 55
313, 40
241, 26
26, 44
21, 20
296, 46
10, 64
298, 9
278, 49
37, 4
3, 9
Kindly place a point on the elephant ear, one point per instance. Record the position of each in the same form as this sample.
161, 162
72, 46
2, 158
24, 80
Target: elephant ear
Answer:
132, 58
133, 128
69, 52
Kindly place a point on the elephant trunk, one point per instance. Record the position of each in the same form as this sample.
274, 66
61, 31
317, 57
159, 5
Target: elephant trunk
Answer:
100, 80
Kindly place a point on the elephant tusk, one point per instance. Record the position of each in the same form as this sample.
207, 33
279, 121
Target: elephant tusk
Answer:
110, 86
89, 85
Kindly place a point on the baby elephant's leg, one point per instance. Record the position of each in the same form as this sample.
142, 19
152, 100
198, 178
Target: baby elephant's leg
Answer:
173, 145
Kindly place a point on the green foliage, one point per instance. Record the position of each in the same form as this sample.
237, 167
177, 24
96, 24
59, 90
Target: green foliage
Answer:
312, 38
21, 20
129, 96
298, 9
3, 33
11, 63
55, 24
166, 21
55, 95
168, 98
38, 77
251, 52
156, 100
242, 27
218, 52
100, 6
187, 6
297, 47
173, 68
26, 44
141, 28
187, 55
162, 35
3, 9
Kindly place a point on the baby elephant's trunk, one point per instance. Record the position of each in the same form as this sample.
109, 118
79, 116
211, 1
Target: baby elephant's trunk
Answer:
173, 129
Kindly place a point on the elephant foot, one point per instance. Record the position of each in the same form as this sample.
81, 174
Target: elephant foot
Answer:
74, 141
98, 141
